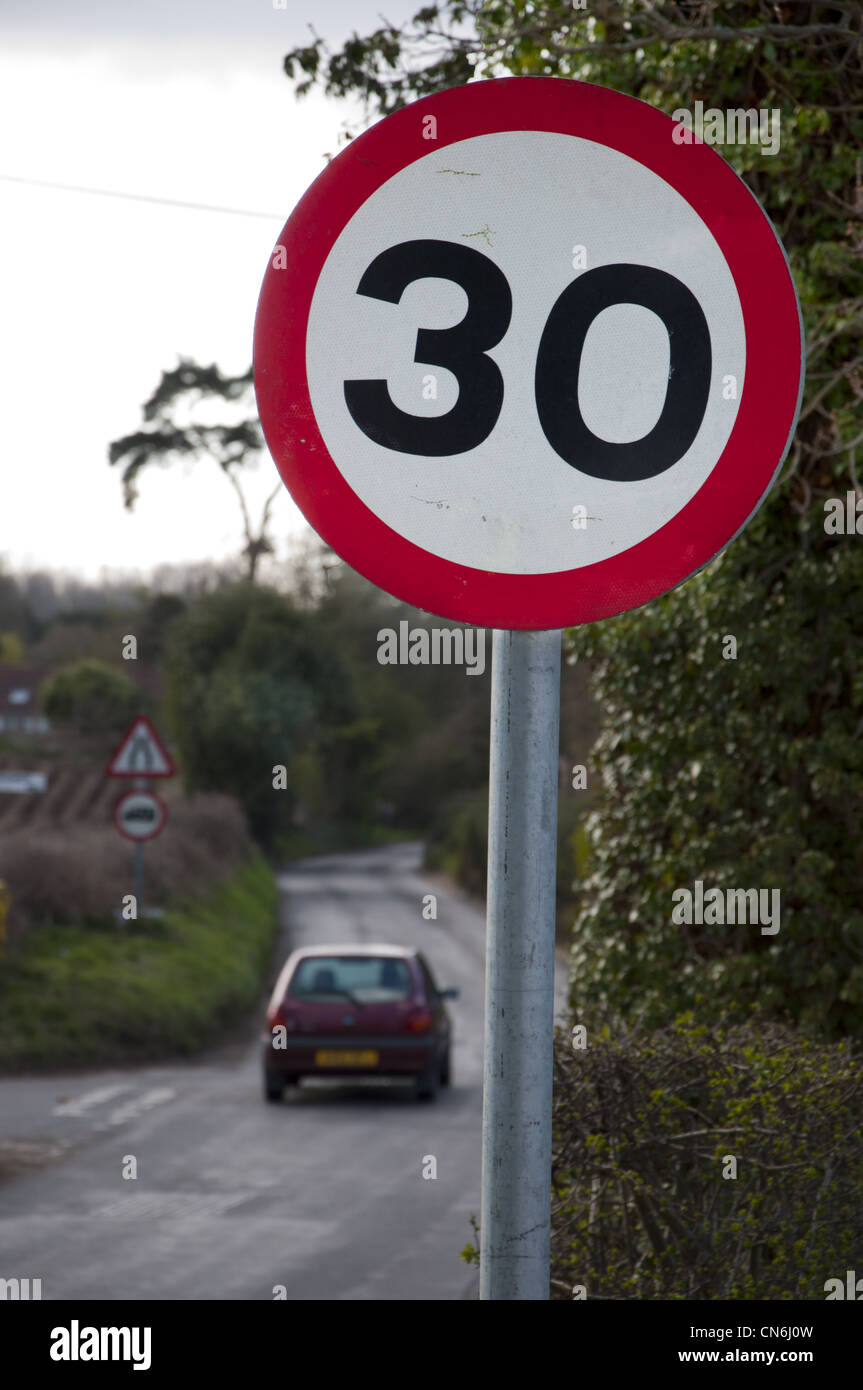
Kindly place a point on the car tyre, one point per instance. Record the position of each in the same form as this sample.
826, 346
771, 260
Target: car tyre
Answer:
273, 1088
428, 1082
446, 1069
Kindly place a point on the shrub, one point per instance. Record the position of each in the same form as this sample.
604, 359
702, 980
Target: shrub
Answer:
643, 1127
743, 773
79, 874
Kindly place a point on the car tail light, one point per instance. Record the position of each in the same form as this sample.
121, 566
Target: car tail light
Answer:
418, 1021
277, 1014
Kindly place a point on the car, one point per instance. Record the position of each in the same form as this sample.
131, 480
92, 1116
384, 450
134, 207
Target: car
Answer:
348, 1011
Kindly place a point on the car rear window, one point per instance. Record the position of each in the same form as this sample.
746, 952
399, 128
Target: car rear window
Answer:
368, 979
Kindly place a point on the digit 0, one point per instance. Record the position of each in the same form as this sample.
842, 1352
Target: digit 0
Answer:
558, 363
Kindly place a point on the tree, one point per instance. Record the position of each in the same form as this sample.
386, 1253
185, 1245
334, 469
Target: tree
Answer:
90, 697
251, 686
748, 772
232, 446
158, 611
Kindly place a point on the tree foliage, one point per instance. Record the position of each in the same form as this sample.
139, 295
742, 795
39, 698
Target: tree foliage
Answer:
250, 687
232, 446
90, 697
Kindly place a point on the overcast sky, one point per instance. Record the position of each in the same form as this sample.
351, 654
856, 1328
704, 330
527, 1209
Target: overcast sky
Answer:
176, 99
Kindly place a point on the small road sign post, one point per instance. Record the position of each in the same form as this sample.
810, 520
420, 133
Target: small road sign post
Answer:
526, 360
4, 910
140, 815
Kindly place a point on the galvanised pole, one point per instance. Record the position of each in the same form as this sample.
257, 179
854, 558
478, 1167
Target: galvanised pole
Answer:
140, 784
519, 999
139, 877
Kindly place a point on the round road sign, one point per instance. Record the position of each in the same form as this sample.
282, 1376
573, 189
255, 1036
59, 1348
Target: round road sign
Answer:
140, 815
523, 358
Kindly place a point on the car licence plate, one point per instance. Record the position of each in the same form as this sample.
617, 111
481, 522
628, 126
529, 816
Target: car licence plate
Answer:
349, 1057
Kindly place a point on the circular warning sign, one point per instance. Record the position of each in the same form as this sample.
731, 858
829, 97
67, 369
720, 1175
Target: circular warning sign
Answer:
526, 359
140, 815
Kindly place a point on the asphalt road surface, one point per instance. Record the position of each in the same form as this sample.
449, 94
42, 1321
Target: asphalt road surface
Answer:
323, 1195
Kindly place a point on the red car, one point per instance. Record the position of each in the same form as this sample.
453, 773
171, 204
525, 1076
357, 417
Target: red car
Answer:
357, 1011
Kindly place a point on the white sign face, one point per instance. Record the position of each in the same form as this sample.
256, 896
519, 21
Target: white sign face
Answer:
141, 753
507, 503
139, 815
525, 359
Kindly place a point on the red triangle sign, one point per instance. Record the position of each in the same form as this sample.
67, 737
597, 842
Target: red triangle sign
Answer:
141, 753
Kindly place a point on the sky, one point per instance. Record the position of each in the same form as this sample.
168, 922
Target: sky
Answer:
174, 99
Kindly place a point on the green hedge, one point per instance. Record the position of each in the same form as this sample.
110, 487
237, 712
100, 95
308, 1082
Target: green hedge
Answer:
645, 1204
140, 990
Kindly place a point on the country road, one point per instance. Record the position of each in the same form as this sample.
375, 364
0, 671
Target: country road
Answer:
323, 1194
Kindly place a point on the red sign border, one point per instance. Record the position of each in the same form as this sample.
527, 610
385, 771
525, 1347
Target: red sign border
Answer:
140, 839
140, 719
767, 410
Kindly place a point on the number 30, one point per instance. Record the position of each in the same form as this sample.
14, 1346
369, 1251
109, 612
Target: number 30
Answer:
463, 350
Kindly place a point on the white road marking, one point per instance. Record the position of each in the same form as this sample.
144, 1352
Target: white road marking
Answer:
137, 1106
78, 1106
162, 1205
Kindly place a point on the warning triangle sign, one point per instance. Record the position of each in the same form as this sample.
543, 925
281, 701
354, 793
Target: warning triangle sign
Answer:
141, 753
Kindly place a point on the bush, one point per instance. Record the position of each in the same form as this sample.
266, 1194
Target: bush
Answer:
643, 1127
79, 874
744, 773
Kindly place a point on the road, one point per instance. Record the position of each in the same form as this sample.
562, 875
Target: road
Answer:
322, 1196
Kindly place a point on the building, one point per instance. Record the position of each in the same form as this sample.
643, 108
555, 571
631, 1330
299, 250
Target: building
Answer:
19, 700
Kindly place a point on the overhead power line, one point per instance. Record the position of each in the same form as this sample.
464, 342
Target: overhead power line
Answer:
141, 197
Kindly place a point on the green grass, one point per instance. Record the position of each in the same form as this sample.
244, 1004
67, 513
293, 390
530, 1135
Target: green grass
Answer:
77, 995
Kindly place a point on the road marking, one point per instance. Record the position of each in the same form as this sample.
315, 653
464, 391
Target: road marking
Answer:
155, 1205
137, 1106
78, 1106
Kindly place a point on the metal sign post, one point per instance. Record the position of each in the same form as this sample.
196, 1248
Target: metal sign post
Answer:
139, 877
519, 997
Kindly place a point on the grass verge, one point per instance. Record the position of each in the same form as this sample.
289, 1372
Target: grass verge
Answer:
77, 995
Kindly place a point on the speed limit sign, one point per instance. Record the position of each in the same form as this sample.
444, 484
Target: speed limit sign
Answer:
523, 358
